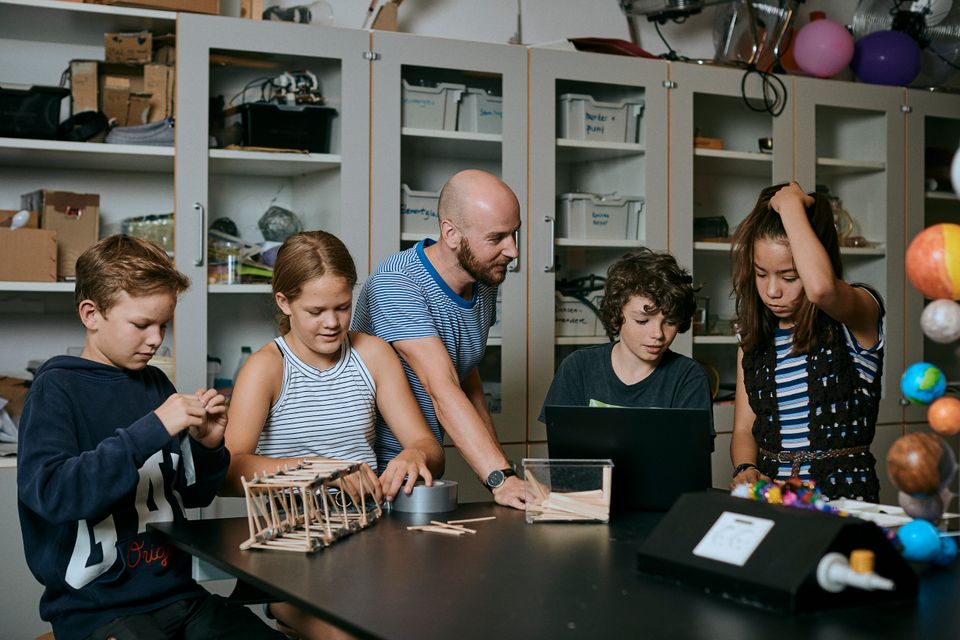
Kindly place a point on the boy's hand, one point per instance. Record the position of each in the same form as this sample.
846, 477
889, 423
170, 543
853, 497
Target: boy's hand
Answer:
180, 411
410, 463
210, 432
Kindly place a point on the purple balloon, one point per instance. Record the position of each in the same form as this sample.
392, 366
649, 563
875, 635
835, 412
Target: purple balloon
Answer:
886, 57
823, 48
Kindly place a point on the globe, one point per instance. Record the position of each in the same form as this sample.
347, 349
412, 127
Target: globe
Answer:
922, 383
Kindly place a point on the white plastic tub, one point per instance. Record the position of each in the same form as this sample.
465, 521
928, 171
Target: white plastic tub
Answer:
431, 107
480, 112
583, 118
593, 217
418, 211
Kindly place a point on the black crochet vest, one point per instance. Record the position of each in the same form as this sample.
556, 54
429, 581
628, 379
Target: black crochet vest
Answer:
832, 381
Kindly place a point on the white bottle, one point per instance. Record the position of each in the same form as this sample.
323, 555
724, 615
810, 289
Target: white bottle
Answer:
244, 354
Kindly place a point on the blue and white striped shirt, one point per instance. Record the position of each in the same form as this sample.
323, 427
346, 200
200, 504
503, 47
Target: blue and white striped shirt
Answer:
329, 413
793, 400
404, 299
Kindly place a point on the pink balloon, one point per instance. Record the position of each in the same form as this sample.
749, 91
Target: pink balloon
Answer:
823, 48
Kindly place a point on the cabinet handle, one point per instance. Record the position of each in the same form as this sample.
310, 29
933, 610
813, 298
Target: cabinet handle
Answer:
203, 227
515, 265
549, 268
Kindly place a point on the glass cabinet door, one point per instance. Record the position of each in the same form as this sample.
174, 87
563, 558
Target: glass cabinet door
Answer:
725, 147
273, 137
850, 144
598, 173
438, 107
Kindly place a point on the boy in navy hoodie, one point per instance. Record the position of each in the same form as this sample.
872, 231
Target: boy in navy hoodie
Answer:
107, 445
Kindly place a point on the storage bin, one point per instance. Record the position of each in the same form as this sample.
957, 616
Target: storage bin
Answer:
565, 490
480, 112
30, 111
583, 118
281, 126
595, 217
574, 318
431, 106
155, 228
418, 211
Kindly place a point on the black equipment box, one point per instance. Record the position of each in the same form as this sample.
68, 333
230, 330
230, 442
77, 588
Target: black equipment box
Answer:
30, 111
280, 126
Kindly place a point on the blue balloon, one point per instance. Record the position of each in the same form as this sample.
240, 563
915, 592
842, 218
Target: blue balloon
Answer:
886, 57
920, 540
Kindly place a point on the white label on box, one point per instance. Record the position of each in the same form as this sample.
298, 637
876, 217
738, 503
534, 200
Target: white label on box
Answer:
733, 538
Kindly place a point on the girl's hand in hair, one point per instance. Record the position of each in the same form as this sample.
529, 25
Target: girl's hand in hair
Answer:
790, 196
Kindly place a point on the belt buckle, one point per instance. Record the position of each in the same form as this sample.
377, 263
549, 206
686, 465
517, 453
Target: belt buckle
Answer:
787, 460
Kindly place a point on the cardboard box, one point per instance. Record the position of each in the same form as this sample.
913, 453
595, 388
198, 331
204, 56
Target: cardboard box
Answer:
83, 86
128, 47
165, 49
74, 216
28, 255
158, 81
14, 391
195, 6
7, 214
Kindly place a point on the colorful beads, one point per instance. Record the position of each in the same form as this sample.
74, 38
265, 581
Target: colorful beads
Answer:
793, 492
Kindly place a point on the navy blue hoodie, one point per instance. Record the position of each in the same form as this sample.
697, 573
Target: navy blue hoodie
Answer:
95, 465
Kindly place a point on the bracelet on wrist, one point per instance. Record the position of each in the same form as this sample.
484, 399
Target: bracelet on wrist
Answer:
743, 467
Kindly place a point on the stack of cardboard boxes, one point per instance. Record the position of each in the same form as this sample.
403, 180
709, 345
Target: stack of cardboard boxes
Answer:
61, 226
133, 85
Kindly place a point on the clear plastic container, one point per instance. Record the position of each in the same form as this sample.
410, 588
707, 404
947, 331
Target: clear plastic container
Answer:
566, 490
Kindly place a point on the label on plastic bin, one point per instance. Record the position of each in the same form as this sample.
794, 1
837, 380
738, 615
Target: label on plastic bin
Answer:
599, 218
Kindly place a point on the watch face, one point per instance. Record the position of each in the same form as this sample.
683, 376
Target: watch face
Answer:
495, 479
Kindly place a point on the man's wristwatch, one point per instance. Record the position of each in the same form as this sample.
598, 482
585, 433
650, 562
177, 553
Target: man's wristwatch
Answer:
497, 477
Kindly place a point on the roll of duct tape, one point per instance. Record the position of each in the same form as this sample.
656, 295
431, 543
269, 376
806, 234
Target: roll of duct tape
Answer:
440, 497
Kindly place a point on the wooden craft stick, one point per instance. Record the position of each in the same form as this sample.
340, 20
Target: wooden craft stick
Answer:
452, 526
471, 520
447, 530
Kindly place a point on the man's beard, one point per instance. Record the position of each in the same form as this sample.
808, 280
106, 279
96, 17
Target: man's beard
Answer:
484, 274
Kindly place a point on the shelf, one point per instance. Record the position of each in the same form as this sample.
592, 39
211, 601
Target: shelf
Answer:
715, 340
27, 152
240, 288
720, 161
599, 244
76, 22
838, 166
417, 237
942, 195
878, 250
589, 150
581, 340
264, 163
451, 144
37, 287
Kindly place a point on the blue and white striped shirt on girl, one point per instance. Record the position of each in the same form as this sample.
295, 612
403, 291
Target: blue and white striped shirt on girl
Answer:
793, 400
327, 413
405, 299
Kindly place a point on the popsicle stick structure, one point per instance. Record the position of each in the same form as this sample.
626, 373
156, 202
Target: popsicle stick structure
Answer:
303, 508
542, 504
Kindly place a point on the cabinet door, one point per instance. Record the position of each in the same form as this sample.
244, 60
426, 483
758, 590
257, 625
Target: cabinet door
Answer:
37, 43
441, 106
243, 61
598, 177
719, 162
933, 128
850, 140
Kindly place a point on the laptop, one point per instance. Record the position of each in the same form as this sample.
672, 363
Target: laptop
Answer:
657, 453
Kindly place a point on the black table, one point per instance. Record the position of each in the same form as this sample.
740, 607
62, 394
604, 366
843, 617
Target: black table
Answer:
514, 580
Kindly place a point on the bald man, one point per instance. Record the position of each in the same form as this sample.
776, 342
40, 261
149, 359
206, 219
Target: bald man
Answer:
435, 303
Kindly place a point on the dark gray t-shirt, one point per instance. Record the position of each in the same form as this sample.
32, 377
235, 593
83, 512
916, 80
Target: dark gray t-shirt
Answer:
587, 374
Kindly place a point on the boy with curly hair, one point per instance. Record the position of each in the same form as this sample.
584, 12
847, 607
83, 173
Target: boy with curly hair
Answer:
648, 299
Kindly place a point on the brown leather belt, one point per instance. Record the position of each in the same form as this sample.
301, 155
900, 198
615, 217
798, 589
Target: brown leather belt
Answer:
797, 458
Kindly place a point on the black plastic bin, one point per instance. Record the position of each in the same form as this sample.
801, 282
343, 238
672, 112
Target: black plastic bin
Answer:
280, 126
30, 111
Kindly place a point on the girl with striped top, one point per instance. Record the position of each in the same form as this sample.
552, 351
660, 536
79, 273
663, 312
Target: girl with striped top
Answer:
314, 392
811, 351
